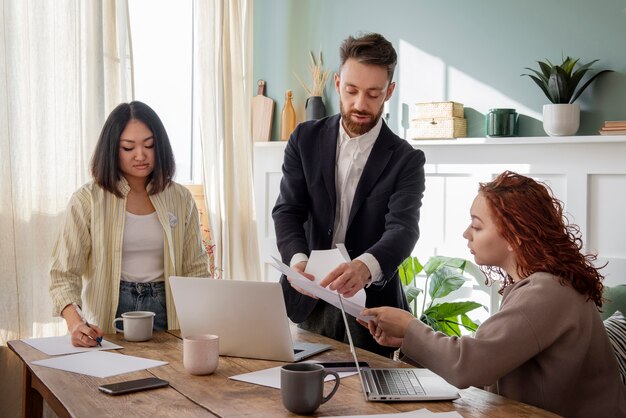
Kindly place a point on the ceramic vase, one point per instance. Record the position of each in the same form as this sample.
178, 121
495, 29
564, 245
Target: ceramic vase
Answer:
561, 119
315, 108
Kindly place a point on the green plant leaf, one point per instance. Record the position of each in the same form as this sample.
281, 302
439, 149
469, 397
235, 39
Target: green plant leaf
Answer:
546, 69
412, 293
558, 85
568, 65
458, 263
541, 76
468, 323
451, 309
473, 270
434, 263
543, 85
409, 269
444, 281
449, 327
430, 321
584, 86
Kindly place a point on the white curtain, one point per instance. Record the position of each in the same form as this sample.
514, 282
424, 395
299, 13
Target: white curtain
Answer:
222, 82
64, 65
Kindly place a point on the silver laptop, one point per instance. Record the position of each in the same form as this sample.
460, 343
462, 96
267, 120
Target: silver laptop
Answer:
249, 317
401, 384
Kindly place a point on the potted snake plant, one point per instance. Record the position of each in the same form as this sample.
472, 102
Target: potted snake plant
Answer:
559, 82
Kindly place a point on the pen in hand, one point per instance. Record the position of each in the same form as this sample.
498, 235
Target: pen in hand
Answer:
80, 313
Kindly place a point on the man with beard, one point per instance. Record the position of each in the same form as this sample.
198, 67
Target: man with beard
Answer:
349, 179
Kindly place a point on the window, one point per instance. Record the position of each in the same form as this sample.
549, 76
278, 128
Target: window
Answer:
162, 43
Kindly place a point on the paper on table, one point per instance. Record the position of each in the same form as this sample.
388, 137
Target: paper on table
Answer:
54, 346
271, 377
352, 306
99, 363
423, 412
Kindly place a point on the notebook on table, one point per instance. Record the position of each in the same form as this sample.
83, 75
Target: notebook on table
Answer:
249, 317
399, 384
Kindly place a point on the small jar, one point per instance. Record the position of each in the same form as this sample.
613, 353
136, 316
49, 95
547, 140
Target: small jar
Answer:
501, 122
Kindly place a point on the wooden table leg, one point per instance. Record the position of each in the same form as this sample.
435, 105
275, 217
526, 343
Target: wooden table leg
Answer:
32, 402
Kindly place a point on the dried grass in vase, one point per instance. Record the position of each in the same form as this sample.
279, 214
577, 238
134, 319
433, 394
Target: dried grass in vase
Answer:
318, 74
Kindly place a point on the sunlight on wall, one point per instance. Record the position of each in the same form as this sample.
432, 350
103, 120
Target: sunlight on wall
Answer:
465, 89
427, 78
423, 77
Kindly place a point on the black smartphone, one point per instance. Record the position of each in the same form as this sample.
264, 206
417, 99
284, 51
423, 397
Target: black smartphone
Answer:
133, 385
343, 366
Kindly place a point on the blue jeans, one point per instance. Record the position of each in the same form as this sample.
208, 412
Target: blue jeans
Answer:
143, 297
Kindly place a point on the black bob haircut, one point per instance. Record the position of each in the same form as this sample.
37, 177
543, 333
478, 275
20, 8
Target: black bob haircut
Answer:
105, 163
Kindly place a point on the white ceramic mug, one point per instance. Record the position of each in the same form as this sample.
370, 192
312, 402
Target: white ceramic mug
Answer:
201, 354
137, 325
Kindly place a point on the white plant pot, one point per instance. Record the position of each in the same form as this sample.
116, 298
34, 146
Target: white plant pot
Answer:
561, 119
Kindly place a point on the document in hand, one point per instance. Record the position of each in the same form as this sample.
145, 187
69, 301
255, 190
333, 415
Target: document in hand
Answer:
320, 264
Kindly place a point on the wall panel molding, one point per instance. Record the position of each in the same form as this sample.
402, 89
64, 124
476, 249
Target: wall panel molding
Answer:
587, 173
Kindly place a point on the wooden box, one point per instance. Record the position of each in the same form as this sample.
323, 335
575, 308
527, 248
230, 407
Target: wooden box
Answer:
439, 110
438, 128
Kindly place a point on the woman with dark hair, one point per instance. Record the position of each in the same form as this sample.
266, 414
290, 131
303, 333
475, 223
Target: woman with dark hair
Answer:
547, 345
126, 232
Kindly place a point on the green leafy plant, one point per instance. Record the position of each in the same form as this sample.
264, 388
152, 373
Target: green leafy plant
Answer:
559, 82
444, 275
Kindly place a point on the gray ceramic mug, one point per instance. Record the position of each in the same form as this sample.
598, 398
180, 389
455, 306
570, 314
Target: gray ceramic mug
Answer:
302, 386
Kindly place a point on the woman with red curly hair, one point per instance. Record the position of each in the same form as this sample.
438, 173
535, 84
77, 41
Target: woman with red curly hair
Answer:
547, 345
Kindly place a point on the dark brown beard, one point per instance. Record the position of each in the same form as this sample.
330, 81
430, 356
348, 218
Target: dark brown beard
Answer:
356, 128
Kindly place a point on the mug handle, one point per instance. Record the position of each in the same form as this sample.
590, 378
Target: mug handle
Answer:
332, 392
116, 328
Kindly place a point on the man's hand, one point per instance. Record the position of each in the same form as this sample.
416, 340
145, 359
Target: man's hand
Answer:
300, 269
347, 278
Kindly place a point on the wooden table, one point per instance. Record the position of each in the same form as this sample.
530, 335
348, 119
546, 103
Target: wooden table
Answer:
71, 394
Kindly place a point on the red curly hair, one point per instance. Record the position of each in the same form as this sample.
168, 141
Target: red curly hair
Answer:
531, 220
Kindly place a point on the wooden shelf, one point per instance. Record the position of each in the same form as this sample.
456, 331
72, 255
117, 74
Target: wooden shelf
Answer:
537, 140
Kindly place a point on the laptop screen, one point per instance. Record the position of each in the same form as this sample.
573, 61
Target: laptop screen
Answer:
352, 349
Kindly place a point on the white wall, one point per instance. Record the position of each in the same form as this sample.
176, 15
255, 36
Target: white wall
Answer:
587, 173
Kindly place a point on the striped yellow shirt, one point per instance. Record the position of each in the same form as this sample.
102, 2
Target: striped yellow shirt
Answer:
87, 256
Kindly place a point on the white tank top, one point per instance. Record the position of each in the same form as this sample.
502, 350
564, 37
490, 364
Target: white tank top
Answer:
142, 251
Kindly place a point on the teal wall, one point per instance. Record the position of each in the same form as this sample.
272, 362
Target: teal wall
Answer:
472, 52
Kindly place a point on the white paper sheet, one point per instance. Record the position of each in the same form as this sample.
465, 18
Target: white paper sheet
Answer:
271, 377
353, 305
99, 363
54, 346
423, 412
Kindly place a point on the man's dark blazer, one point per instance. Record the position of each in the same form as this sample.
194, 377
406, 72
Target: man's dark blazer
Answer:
383, 220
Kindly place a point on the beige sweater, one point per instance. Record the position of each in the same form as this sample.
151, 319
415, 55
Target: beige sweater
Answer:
546, 347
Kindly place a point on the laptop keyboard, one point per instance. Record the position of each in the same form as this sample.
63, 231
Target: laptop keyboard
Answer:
397, 382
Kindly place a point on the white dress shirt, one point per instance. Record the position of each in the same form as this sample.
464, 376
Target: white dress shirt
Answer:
352, 155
